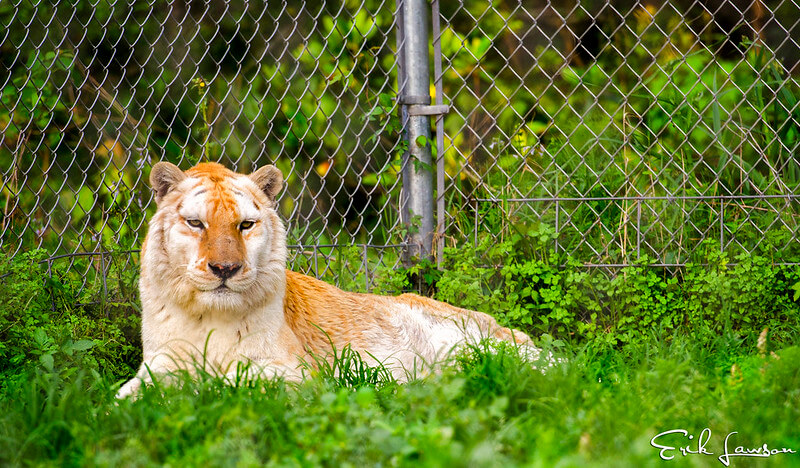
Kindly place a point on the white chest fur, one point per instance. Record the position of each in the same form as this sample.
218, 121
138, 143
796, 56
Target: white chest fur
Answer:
218, 341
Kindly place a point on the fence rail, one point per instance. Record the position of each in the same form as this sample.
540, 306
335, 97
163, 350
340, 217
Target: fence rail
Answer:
625, 130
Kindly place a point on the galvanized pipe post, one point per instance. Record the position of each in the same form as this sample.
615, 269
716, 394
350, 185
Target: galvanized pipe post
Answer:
416, 200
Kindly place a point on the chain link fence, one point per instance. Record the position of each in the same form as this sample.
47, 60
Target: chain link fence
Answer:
608, 132
624, 132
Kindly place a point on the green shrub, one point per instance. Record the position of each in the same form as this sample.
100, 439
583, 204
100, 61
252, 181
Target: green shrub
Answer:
41, 324
524, 288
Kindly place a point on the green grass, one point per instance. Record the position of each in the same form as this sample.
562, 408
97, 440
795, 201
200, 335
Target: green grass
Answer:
598, 408
671, 353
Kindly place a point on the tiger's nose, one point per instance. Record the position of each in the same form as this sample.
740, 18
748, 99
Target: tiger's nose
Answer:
224, 270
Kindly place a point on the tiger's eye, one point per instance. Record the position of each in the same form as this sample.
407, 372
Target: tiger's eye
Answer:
245, 225
195, 223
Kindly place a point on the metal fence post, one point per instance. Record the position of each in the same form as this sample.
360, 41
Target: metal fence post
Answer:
416, 201
437, 82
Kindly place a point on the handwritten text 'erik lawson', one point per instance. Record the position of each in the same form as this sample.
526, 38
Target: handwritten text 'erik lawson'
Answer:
667, 452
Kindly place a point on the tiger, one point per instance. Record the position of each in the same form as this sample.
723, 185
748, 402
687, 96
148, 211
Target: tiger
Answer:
215, 291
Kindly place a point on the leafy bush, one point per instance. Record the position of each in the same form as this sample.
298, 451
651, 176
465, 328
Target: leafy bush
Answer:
40, 322
530, 290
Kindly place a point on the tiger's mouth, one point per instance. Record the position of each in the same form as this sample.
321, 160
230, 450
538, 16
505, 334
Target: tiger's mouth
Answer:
225, 288
212, 287
222, 287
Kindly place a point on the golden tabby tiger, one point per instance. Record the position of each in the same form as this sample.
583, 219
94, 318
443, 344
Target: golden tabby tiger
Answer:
215, 290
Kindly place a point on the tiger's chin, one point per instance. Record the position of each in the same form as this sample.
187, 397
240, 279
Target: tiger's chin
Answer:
221, 299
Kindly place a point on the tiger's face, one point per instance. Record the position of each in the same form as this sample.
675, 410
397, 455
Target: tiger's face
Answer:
221, 242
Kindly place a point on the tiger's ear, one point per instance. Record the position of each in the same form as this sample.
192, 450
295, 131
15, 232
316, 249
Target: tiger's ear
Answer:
164, 177
269, 179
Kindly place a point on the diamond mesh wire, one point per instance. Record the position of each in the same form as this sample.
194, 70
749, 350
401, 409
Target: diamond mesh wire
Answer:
94, 93
623, 132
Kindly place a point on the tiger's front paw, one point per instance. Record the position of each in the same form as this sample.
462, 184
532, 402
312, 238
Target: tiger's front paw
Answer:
132, 388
